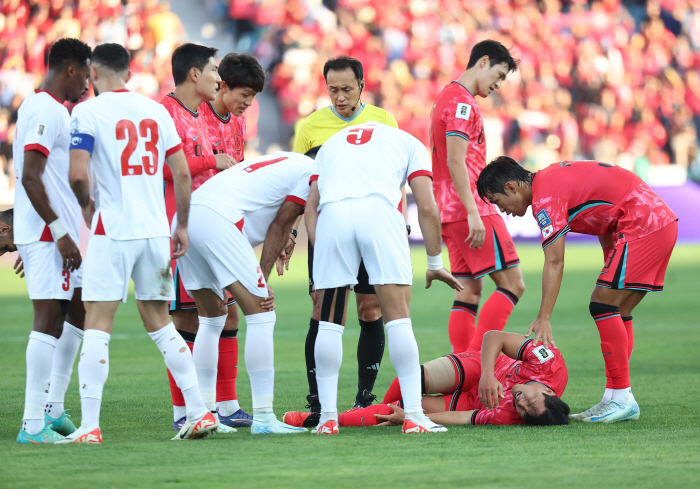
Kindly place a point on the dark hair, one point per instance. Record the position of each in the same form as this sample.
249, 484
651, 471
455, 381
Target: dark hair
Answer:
496, 52
67, 51
556, 412
494, 176
342, 62
7, 216
311, 153
242, 70
112, 56
190, 56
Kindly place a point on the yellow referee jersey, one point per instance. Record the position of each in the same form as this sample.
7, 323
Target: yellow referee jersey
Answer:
322, 124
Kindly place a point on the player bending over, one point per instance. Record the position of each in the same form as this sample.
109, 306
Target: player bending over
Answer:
357, 180
636, 229
45, 232
124, 138
510, 381
231, 213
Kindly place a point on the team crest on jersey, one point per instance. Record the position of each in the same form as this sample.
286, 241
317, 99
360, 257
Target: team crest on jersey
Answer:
543, 353
545, 223
463, 111
41, 129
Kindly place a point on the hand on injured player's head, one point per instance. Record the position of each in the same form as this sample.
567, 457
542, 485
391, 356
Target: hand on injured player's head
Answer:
395, 418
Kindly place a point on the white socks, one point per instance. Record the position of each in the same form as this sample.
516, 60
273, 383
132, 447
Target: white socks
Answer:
179, 361
93, 369
403, 351
260, 359
606, 396
328, 353
40, 350
623, 395
206, 357
227, 408
63, 358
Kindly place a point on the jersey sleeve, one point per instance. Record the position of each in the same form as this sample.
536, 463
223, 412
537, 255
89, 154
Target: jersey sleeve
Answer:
171, 138
316, 167
300, 192
301, 141
505, 414
552, 217
536, 359
419, 162
42, 131
459, 117
82, 129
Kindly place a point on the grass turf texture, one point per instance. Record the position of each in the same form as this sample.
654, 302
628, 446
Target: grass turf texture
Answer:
659, 450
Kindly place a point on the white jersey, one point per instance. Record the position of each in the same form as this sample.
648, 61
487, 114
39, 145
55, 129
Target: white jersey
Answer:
256, 189
372, 158
43, 125
129, 136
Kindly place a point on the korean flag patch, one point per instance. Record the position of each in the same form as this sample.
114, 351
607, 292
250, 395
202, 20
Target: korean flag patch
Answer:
463, 111
543, 353
545, 223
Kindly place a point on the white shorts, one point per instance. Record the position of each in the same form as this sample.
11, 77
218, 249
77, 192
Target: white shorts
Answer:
110, 263
370, 229
44, 273
219, 255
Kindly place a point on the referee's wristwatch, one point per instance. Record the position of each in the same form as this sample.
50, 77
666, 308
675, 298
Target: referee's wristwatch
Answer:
408, 229
293, 232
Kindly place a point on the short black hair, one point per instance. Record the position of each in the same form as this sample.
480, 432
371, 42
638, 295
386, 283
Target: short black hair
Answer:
556, 412
242, 70
494, 176
190, 56
112, 56
7, 216
311, 153
496, 52
342, 62
67, 51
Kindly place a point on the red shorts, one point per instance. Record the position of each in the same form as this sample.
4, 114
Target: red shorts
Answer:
183, 301
467, 367
497, 253
640, 264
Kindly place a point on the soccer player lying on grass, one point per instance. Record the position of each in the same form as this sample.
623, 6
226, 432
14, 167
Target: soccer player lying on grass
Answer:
511, 381
636, 229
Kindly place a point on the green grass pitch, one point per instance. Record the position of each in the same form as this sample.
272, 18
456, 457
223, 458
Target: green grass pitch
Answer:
660, 450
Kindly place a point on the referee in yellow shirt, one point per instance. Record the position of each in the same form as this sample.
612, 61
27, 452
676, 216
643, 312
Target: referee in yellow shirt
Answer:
345, 82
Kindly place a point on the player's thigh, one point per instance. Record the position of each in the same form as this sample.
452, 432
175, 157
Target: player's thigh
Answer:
334, 304
628, 305
510, 279
48, 316
154, 314
440, 376
394, 300
471, 293
232, 317
99, 315
108, 266
151, 273
433, 404
336, 254
44, 274
76, 309
208, 303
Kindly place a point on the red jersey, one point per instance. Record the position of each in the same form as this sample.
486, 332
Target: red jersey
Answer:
543, 364
196, 143
595, 198
227, 134
456, 114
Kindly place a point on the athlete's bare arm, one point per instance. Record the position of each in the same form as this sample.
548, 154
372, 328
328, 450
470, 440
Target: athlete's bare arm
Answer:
183, 189
495, 343
456, 152
311, 213
34, 166
278, 235
429, 221
551, 283
439, 417
285, 255
79, 178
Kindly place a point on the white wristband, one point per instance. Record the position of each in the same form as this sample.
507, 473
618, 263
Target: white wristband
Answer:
58, 229
435, 262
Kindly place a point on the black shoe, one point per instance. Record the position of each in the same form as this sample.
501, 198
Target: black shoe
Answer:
364, 399
314, 406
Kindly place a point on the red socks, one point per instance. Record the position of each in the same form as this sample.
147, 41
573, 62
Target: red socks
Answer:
630, 335
494, 315
364, 416
613, 344
461, 325
393, 394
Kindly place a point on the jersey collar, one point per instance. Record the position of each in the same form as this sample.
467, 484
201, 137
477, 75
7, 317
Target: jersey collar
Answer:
224, 120
51, 94
347, 119
194, 114
531, 381
458, 83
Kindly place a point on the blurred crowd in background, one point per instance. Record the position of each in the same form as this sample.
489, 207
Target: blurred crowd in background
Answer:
607, 80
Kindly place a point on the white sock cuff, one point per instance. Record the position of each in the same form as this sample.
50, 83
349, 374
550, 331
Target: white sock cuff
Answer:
216, 324
73, 330
261, 317
96, 334
44, 338
163, 332
324, 325
403, 322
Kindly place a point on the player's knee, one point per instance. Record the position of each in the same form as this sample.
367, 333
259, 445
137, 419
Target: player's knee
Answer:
369, 311
556, 412
598, 309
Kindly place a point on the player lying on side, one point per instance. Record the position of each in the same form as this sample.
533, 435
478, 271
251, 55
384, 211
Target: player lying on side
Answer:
511, 381
231, 213
636, 229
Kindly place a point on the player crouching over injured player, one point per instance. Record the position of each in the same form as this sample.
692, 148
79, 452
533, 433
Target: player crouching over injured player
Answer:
511, 381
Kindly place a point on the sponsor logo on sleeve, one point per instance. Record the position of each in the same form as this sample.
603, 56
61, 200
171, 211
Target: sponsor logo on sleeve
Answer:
545, 223
463, 111
543, 353
41, 129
